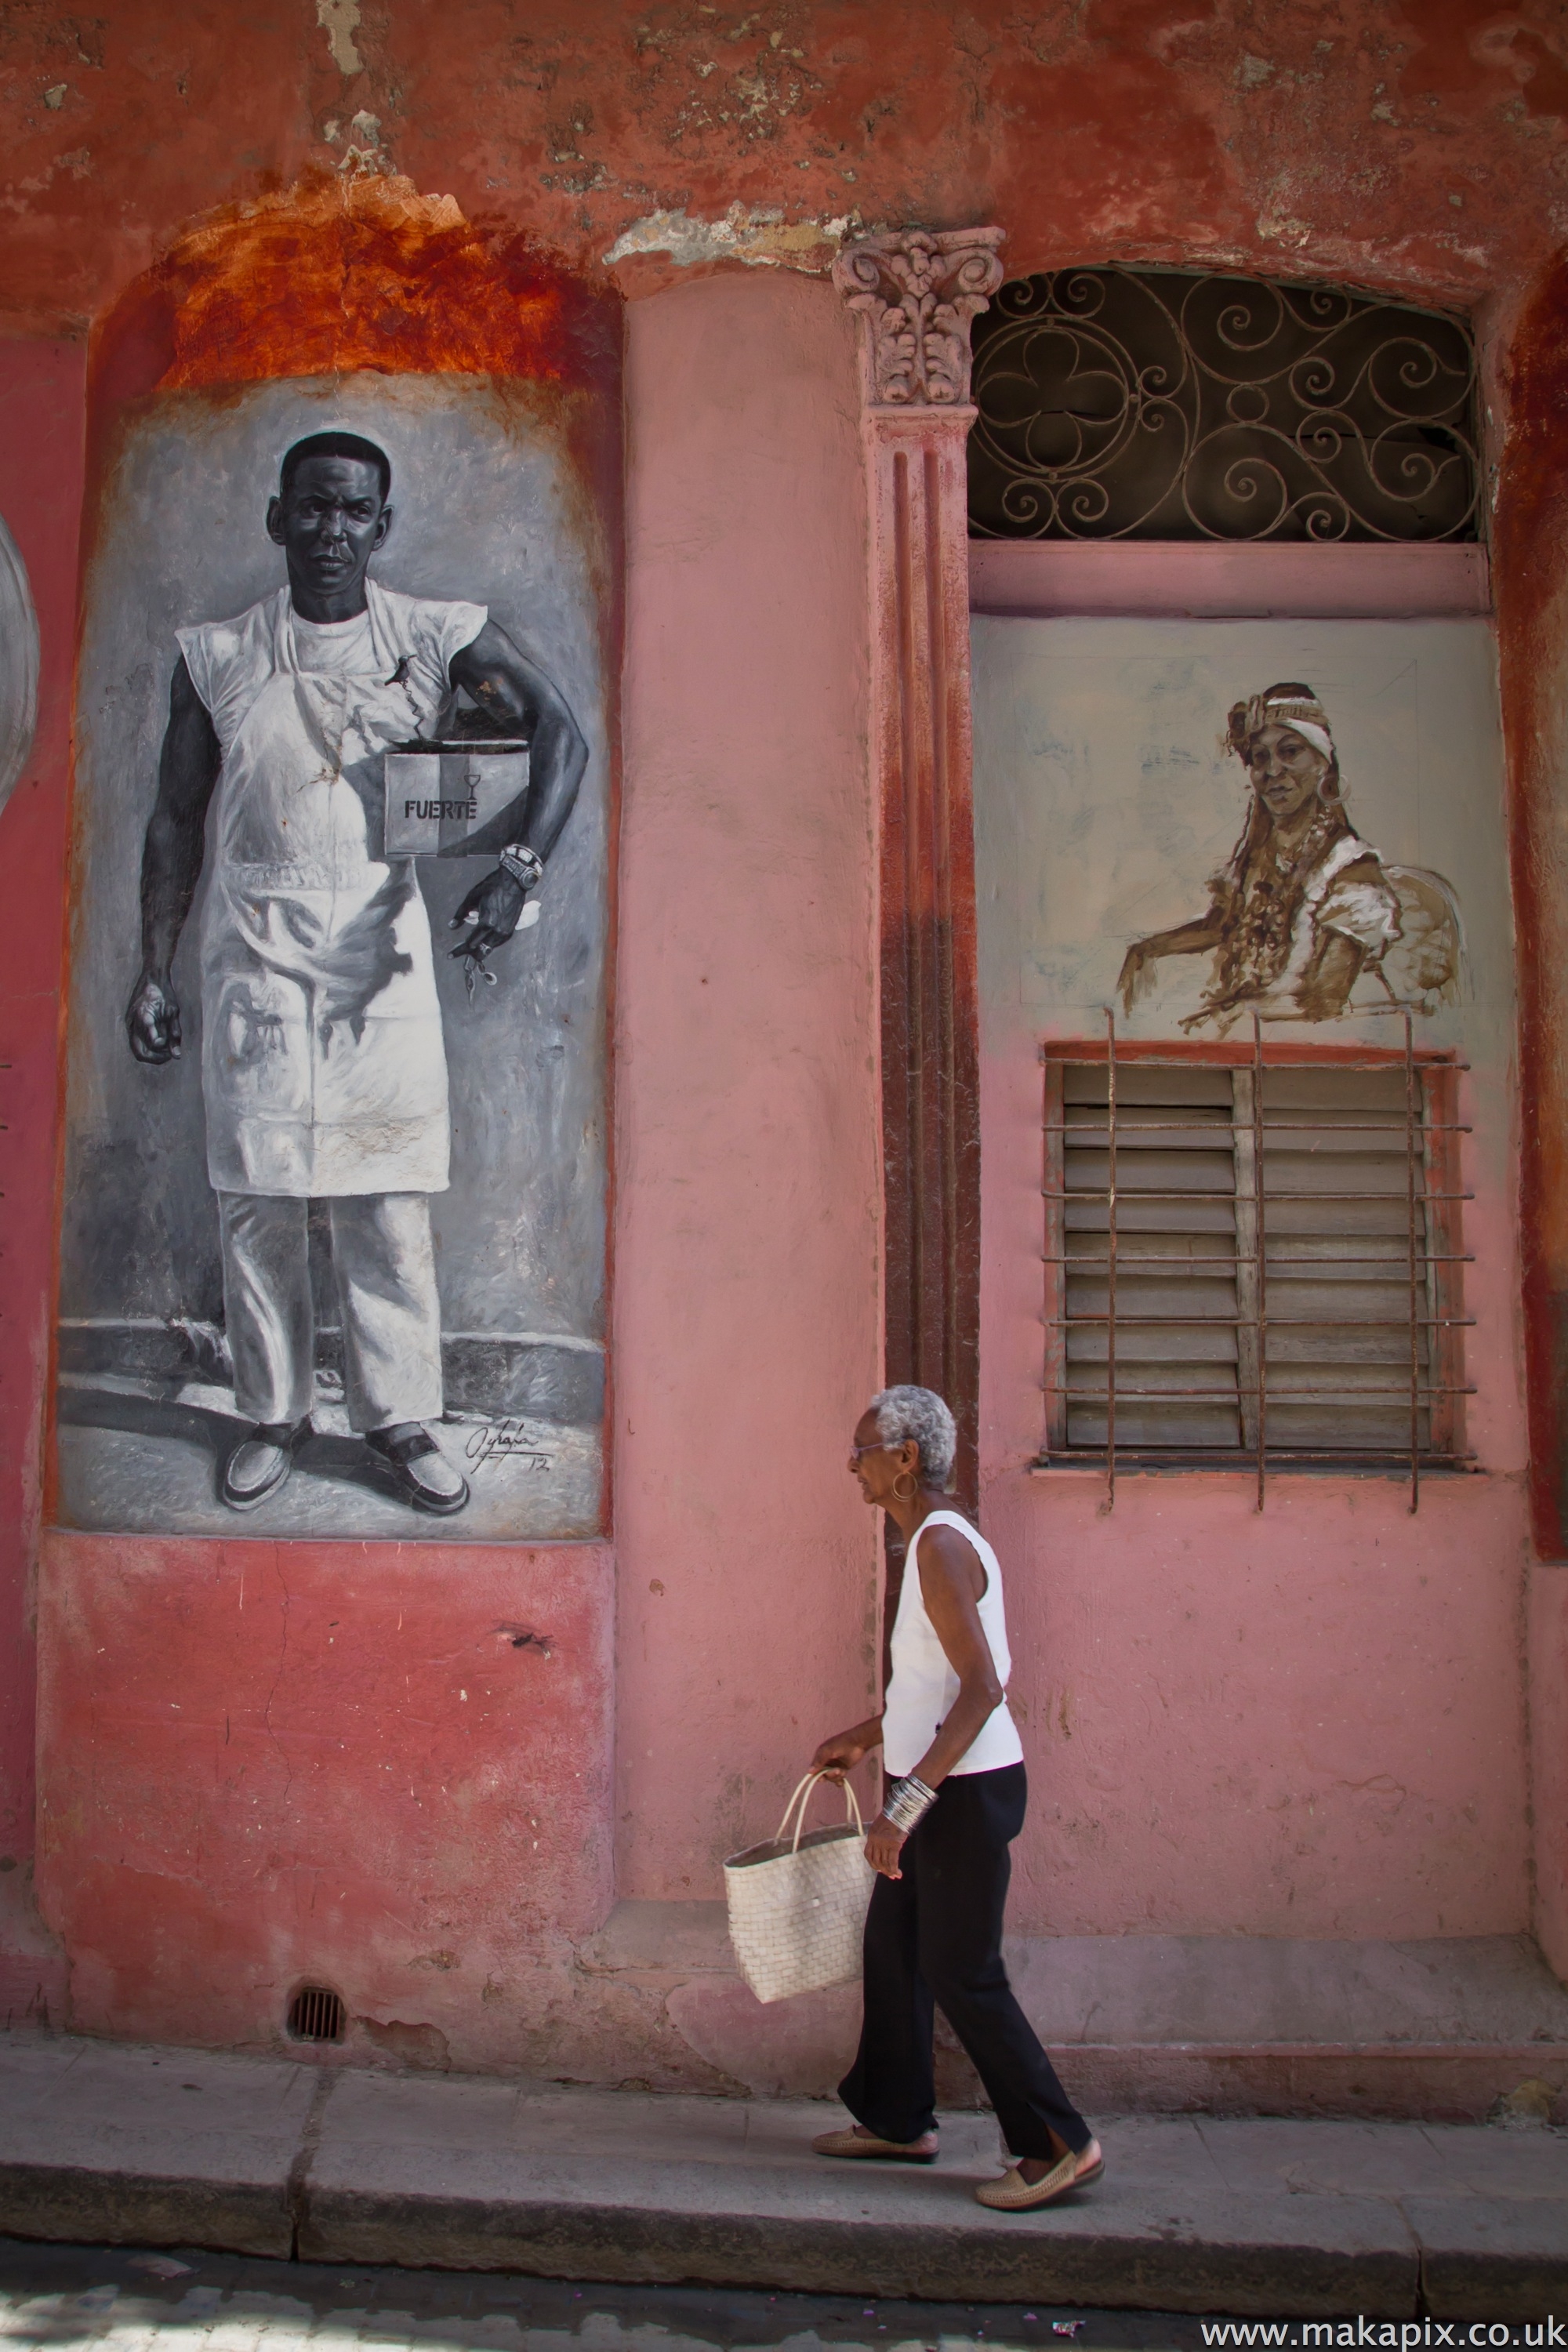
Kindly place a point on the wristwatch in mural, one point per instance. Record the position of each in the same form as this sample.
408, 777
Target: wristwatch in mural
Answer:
525, 866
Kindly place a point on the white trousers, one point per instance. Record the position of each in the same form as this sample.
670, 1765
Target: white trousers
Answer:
383, 1261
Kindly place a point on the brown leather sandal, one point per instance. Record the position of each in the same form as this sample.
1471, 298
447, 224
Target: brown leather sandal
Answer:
1013, 2194
859, 2142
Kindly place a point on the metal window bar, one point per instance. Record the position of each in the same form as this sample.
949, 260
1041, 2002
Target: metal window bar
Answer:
1410, 1134
1279, 1322
1287, 1395
1110, 1254
1086, 1191
1139, 1058
1151, 1257
1261, 1214
1280, 1126
1244, 1134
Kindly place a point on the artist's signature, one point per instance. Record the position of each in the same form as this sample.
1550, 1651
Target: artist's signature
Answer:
508, 1438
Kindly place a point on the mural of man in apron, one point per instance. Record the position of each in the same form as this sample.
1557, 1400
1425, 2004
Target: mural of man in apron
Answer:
323, 1067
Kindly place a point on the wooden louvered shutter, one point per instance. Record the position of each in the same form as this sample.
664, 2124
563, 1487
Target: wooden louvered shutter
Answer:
1344, 1331
1175, 1334
1337, 1341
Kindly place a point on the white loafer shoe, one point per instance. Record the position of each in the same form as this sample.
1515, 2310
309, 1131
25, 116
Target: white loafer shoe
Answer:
260, 1463
420, 1471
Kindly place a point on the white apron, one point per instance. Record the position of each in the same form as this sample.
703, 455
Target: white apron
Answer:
324, 1069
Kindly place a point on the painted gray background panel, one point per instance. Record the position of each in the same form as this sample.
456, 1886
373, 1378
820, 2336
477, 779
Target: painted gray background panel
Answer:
1106, 798
486, 508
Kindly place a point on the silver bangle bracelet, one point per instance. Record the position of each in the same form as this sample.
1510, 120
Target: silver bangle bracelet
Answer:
907, 1800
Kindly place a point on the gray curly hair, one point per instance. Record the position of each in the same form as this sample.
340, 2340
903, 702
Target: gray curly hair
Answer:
920, 1414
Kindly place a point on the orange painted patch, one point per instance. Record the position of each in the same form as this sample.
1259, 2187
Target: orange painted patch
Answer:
338, 275
335, 277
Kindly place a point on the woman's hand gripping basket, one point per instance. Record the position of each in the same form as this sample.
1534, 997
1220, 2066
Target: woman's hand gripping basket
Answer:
797, 1904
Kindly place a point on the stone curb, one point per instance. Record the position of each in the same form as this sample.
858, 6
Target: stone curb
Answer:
78, 2206
1225, 2259
1016, 2261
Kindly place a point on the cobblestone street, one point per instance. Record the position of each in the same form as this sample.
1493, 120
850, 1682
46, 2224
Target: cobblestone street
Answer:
74, 2297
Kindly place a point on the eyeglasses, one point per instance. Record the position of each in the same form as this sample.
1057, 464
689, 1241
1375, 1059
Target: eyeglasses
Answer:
877, 1446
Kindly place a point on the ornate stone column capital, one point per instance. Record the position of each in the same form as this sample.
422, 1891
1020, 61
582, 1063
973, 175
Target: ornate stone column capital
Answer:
917, 290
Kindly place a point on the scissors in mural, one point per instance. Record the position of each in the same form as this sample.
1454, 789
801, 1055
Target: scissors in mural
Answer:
324, 1060
1305, 910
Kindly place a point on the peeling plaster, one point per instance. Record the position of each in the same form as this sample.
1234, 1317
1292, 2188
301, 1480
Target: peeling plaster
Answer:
755, 234
339, 19
366, 152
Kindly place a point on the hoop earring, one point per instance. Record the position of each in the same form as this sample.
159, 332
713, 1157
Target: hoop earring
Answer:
914, 1487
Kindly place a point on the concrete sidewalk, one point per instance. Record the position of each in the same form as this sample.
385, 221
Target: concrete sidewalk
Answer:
105, 2143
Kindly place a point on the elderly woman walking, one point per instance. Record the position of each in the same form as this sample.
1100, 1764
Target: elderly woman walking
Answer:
954, 1771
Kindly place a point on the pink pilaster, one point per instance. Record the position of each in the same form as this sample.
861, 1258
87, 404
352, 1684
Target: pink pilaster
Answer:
917, 293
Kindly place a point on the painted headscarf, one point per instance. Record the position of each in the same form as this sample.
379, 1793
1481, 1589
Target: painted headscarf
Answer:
1295, 707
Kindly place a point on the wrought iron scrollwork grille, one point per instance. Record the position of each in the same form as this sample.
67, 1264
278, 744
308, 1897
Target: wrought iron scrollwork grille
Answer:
1143, 403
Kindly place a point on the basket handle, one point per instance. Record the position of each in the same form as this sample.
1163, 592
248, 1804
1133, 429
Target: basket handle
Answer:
802, 1798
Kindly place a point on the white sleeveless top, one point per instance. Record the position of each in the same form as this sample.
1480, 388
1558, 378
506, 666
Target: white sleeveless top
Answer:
924, 1685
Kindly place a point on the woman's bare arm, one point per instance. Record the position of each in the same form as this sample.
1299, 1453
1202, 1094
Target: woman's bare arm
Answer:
1196, 937
845, 1749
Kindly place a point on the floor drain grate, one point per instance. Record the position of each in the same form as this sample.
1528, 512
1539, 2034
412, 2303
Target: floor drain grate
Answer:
316, 2015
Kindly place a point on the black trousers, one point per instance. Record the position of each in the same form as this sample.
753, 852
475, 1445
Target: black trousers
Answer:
934, 1938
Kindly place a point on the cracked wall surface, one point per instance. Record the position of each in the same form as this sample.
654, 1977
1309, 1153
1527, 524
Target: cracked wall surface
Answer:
1403, 145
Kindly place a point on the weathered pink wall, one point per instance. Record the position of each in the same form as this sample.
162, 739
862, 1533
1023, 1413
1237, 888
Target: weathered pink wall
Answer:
1338, 580
1307, 1723
1407, 143
1529, 375
41, 441
1548, 1637
747, 1300
264, 1762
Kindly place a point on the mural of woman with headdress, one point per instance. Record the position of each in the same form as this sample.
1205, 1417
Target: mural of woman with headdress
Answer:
1304, 906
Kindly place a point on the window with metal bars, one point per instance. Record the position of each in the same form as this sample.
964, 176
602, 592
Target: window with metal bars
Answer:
1157, 403
1252, 1259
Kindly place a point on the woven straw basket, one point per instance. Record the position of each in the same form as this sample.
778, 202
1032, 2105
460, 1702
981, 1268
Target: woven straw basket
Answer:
797, 1904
